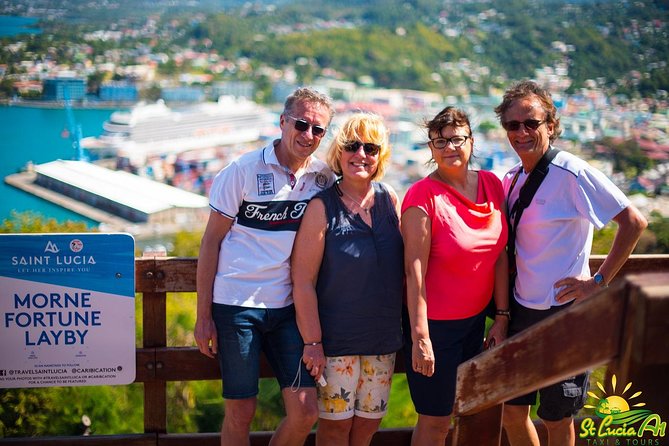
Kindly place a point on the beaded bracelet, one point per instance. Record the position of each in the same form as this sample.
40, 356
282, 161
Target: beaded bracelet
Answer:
312, 343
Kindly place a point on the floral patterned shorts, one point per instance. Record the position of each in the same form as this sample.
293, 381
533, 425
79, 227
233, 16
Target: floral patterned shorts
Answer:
356, 385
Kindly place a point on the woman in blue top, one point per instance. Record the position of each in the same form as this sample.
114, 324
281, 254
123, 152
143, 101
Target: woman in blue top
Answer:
347, 271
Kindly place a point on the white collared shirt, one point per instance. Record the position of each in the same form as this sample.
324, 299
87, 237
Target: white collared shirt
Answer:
554, 235
254, 257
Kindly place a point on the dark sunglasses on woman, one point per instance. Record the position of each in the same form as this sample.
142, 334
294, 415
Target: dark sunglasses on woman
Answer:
369, 148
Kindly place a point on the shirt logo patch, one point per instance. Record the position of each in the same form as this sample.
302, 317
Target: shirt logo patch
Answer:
265, 183
321, 180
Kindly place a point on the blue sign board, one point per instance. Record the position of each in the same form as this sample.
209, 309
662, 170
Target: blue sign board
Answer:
67, 303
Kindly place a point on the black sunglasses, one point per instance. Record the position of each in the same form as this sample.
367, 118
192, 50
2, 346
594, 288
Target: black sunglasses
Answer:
301, 125
512, 126
368, 147
457, 141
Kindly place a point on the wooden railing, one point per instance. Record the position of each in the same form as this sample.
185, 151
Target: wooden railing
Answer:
624, 326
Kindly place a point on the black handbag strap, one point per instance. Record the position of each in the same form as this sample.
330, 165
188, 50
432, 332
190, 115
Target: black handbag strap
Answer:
525, 196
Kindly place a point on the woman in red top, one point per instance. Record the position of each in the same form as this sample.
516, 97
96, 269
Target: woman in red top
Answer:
454, 232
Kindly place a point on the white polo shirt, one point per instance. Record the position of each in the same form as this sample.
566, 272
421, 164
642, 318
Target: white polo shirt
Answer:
254, 257
554, 235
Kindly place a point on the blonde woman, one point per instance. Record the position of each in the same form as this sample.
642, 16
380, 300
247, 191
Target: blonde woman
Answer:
347, 284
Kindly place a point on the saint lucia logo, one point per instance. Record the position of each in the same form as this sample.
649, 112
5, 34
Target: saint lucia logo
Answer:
619, 413
51, 247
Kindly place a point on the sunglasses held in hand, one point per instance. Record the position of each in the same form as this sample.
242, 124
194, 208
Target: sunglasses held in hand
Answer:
301, 125
512, 126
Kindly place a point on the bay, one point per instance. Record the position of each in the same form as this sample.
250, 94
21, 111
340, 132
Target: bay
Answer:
13, 25
32, 134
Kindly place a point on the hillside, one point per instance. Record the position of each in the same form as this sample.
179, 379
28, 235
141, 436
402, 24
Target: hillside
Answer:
439, 45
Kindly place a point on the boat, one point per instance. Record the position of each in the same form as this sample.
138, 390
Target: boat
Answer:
155, 130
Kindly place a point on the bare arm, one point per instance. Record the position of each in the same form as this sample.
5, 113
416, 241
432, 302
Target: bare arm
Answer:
305, 262
416, 232
205, 331
631, 224
499, 328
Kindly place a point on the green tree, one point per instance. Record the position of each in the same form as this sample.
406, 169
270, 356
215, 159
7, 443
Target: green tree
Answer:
58, 410
627, 156
32, 222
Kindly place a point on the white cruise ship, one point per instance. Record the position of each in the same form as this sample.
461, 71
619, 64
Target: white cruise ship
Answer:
154, 130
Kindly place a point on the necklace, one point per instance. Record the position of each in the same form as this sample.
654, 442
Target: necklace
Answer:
366, 209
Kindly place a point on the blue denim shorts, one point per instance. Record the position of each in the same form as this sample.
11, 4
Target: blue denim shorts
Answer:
243, 333
562, 399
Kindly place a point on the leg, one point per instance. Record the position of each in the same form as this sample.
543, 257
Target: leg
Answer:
301, 414
431, 430
558, 404
519, 427
363, 430
282, 345
237, 421
238, 355
561, 433
371, 396
333, 432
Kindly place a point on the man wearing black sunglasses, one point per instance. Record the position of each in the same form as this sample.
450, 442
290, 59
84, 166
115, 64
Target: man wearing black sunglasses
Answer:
244, 293
553, 236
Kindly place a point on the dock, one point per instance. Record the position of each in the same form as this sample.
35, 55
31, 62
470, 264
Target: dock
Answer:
25, 181
119, 201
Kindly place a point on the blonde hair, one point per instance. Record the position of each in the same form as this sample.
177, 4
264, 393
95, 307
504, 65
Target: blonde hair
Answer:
364, 127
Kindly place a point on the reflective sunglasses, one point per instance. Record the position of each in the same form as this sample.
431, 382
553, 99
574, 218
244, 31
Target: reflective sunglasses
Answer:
301, 125
457, 141
369, 148
512, 126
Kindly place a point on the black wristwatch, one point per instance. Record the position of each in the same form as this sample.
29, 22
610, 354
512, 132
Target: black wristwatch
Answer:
505, 313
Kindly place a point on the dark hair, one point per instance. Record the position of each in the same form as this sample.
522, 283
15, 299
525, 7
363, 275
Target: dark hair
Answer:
524, 89
449, 116
307, 94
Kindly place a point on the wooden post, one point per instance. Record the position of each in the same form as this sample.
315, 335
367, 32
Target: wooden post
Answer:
484, 426
644, 356
154, 323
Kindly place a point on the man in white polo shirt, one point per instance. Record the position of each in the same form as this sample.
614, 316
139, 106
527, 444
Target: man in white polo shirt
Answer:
553, 240
244, 294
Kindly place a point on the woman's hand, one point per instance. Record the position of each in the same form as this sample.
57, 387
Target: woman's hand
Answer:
497, 332
422, 357
314, 359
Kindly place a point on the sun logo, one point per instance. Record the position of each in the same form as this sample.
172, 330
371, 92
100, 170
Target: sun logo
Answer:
617, 406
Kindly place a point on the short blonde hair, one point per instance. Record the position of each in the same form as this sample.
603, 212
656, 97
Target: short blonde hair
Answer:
364, 127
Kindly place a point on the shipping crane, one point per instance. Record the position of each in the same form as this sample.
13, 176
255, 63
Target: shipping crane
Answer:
73, 130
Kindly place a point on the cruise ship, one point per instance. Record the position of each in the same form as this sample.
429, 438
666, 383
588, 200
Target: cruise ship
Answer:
155, 130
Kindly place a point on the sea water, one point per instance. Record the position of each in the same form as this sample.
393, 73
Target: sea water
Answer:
34, 134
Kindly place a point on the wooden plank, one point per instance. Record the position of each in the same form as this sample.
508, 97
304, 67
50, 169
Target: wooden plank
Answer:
93, 440
178, 274
188, 364
572, 332
384, 437
637, 263
469, 429
154, 319
155, 407
165, 274
644, 361
145, 361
